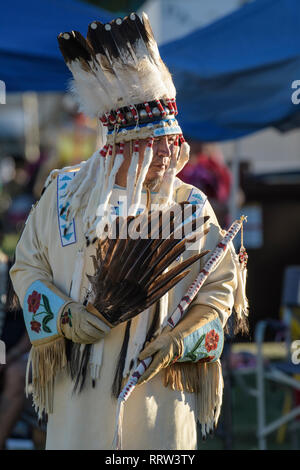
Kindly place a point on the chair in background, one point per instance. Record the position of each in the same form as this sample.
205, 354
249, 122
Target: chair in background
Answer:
280, 372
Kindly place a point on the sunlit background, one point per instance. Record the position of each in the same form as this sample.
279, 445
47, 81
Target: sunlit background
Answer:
236, 66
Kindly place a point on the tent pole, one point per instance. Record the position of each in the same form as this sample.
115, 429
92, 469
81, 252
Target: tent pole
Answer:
31, 126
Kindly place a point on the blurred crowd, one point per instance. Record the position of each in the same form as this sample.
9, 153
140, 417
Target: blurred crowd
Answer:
21, 184
17, 182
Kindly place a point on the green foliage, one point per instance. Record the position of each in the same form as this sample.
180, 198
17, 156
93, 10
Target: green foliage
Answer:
9, 243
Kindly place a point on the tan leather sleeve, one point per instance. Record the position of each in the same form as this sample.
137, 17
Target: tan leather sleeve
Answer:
196, 317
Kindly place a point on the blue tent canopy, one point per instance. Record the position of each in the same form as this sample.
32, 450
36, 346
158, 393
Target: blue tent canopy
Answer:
29, 54
234, 77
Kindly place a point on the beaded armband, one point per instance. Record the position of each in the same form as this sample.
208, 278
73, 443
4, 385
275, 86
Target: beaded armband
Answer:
41, 308
204, 344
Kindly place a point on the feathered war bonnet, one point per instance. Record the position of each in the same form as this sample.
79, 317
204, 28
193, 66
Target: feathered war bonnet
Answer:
120, 78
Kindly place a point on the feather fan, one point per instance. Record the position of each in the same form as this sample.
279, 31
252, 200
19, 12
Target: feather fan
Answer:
130, 273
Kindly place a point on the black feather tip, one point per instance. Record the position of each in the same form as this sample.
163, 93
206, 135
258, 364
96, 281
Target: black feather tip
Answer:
73, 46
100, 38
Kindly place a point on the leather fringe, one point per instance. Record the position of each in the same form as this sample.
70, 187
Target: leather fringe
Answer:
206, 381
241, 304
46, 360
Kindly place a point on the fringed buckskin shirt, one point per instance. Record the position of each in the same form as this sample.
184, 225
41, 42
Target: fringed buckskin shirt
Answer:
155, 417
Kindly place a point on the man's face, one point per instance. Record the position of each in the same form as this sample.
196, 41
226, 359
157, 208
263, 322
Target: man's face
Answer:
163, 151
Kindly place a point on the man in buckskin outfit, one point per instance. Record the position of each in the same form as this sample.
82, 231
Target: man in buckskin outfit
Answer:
120, 78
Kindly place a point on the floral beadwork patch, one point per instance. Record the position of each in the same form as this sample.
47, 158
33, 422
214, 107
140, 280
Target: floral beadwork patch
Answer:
211, 340
41, 306
34, 304
205, 344
66, 318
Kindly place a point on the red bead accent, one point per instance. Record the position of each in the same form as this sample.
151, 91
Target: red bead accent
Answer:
134, 112
160, 107
181, 311
150, 142
148, 109
104, 120
123, 120
243, 256
121, 148
103, 151
221, 245
182, 139
136, 146
170, 105
111, 118
110, 150
174, 106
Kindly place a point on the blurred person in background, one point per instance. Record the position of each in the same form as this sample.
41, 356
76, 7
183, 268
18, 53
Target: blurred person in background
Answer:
207, 170
12, 374
17, 177
17, 190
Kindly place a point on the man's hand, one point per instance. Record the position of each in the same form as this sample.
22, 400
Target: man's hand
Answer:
80, 325
167, 348
187, 335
